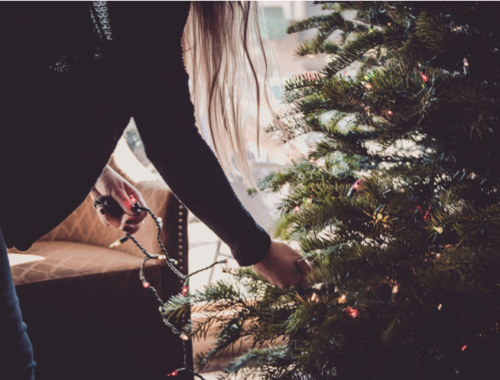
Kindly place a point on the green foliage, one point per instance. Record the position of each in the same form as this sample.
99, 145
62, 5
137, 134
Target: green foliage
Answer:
406, 282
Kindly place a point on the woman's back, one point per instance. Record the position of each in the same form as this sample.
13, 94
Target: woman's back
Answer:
66, 98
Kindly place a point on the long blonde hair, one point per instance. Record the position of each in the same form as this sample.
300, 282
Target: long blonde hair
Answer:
226, 60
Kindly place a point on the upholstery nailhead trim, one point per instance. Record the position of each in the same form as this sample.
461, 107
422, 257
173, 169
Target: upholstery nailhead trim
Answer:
181, 220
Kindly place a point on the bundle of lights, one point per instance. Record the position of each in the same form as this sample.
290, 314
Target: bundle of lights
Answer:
171, 264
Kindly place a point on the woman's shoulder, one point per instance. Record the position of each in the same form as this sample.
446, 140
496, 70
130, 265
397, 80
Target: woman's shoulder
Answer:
149, 18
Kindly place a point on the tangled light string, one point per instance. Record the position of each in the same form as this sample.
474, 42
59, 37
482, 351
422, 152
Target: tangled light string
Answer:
171, 264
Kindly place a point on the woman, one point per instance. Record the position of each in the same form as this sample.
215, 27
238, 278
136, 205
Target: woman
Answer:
73, 74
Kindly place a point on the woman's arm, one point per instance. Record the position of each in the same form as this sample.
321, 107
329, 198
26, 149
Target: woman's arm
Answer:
148, 35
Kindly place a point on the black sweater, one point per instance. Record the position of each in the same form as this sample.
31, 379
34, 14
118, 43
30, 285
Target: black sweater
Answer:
73, 74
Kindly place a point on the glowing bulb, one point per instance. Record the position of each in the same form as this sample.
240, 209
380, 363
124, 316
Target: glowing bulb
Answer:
464, 347
184, 337
440, 306
352, 312
395, 289
313, 298
120, 241
466, 63
342, 299
145, 285
368, 86
389, 112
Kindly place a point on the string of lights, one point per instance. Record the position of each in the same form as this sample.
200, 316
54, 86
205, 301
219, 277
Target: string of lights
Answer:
171, 264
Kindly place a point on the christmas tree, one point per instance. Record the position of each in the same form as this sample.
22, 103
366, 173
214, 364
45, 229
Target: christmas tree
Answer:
397, 207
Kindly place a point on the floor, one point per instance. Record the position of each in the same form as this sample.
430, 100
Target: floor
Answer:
203, 246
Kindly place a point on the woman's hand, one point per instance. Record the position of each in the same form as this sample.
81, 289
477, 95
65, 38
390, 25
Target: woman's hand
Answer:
113, 185
283, 266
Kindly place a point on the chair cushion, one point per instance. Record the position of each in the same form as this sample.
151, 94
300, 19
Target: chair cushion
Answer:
93, 287
63, 259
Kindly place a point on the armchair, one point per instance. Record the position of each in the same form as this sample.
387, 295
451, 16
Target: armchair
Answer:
87, 313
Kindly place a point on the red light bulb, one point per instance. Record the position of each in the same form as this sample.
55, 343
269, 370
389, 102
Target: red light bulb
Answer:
145, 285
352, 312
133, 199
425, 78
464, 347
175, 373
184, 290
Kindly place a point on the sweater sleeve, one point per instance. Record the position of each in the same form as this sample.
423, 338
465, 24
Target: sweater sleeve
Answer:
158, 94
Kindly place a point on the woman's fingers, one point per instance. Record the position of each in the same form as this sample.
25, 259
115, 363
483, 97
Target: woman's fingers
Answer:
132, 228
100, 210
94, 193
101, 217
127, 219
132, 191
110, 219
304, 268
124, 201
105, 217
132, 223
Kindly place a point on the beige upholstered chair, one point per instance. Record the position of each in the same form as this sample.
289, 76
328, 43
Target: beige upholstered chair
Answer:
87, 312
